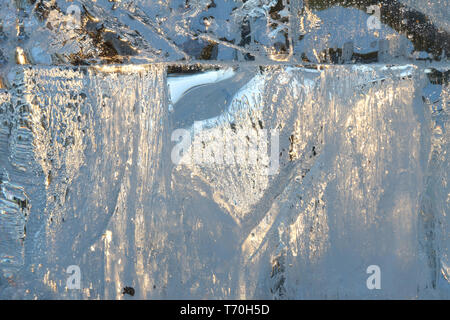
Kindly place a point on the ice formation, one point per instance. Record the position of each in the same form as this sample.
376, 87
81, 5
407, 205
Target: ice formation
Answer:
91, 93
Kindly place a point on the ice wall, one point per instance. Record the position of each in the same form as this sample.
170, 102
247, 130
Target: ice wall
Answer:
77, 139
87, 180
354, 151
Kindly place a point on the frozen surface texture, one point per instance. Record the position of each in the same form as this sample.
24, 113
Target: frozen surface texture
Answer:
362, 180
143, 31
77, 140
93, 95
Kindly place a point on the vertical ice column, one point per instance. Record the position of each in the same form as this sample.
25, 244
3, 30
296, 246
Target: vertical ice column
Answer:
92, 152
15, 156
435, 200
358, 203
12, 216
